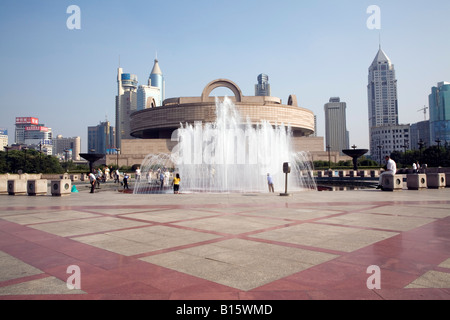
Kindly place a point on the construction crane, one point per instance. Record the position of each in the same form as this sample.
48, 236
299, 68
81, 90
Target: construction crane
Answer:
424, 109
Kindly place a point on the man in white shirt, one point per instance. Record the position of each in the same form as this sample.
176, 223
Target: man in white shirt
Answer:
92, 181
391, 169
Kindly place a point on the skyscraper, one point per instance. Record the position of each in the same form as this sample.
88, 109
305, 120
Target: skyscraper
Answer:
439, 100
126, 103
382, 99
152, 94
101, 138
263, 86
336, 134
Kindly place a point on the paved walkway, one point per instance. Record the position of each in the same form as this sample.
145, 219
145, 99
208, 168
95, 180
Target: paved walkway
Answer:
311, 245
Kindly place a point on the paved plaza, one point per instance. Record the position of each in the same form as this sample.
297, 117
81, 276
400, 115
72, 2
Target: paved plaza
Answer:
310, 245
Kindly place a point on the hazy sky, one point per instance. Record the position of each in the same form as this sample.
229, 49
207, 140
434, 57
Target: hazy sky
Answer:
313, 49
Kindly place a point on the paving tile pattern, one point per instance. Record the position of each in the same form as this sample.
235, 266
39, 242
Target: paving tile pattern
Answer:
309, 246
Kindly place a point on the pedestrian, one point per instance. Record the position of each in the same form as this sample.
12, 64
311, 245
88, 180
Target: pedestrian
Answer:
176, 184
125, 181
138, 174
418, 166
270, 183
391, 169
117, 176
414, 167
92, 181
161, 179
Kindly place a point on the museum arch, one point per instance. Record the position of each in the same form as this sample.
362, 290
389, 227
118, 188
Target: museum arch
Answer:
222, 83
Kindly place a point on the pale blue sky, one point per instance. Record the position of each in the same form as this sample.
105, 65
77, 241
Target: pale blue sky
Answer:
313, 49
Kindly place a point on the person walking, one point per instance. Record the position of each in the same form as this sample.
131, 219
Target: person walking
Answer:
176, 184
125, 181
92, 181
270, 182
138, 174
161, 179
391, 169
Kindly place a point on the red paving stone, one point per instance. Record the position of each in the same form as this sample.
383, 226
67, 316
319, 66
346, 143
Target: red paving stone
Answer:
402, 258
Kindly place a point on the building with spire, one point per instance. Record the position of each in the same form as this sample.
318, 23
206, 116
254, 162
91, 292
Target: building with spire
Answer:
152, 94
386, 134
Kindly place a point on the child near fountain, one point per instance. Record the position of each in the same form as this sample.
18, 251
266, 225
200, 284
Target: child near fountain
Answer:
176, 184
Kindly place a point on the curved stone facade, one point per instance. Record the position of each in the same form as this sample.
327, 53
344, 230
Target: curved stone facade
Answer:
160, 122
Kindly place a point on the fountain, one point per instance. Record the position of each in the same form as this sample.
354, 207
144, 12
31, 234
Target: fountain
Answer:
355, 154
91, 158
228, 155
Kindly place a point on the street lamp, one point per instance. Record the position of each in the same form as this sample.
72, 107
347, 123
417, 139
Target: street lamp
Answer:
329, 157
438, 141
117, 159
25, 163
7, 157
65, 159
421, 144
379, 152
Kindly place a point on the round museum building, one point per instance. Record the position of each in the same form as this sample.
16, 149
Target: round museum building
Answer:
160, 122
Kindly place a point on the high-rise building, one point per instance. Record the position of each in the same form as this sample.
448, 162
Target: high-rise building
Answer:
71, 145
101, 138
382, 100
3, 138
152, 94
263, 86
30, 132
336, 134
21, 124
126, 104
439, 101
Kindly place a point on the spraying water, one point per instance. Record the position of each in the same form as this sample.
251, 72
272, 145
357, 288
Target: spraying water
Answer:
229, 155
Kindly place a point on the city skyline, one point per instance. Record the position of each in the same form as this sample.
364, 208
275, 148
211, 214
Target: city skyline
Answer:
316, 50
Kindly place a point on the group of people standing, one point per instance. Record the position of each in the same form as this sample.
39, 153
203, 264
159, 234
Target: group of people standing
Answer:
99, 176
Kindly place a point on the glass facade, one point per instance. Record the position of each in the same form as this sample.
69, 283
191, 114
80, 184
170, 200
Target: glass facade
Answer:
439, 101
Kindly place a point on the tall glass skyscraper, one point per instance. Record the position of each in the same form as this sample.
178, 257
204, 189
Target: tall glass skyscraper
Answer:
439, 100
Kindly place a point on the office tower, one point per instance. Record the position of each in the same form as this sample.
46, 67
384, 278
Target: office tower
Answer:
439, 101
336, 134
72, 145
152, 94
126, 104
39, 138
101, 138
3, 139
382, 98
263, 86
21, 124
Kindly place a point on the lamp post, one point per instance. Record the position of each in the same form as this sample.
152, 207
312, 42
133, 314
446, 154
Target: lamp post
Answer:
421, 144
379, 152
117, 158
438, 141
25, 162
65, 159
329, 157
7, 158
